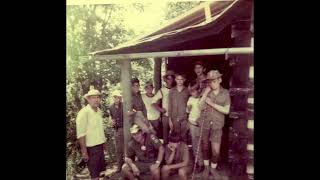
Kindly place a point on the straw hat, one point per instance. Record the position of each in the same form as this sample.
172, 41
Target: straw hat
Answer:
116, 93
134, 129
92, 92
148, 83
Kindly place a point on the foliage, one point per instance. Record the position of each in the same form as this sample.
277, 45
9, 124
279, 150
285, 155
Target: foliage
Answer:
175, 9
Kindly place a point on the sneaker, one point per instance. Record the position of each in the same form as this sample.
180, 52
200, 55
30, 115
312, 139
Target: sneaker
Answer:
205, 173
215, 173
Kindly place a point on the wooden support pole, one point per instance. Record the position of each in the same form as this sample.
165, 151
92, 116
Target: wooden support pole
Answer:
198, 52
127, 96
157, 73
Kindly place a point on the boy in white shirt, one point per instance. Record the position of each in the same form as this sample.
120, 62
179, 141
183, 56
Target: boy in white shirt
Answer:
193, 108
153, 115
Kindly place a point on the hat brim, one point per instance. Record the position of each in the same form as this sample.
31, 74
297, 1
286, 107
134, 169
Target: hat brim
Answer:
135, 131
207, 80
88, 95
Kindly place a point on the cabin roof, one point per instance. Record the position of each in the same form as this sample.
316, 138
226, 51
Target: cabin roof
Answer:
188, 27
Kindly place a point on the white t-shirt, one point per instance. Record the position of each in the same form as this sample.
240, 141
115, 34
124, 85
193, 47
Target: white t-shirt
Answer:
152, 112
195, 109
89, 123
165, 98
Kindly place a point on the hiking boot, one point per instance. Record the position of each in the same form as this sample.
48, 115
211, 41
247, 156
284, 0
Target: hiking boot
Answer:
205, 173
215, 173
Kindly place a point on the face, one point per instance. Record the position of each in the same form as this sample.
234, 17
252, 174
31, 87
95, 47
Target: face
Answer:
180, 80
199, 70
137, 136
117, 99
194, 93
169, 80
136, 87
94, 101
214, 84
149, 89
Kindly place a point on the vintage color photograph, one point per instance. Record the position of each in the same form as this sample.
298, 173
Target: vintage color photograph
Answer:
160, 89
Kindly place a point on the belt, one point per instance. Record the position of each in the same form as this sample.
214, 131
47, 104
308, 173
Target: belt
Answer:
193, 124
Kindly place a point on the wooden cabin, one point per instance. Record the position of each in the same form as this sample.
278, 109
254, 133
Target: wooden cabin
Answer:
220, 34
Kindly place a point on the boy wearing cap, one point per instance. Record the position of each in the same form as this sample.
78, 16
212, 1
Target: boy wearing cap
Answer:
90, 132
137, 102
117, 124
215, 104
163, 94
176, 158
149, 152
178, 97
153, 114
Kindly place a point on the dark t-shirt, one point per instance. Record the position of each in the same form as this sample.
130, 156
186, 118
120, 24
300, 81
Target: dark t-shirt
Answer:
137, 103
117, 115
150, 154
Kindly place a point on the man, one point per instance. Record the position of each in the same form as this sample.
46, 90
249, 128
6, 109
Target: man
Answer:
199, 69
215, 104
117, 124
176, 158
149, 152
163, 94
153, 115
178, 98
90, 132
137, 102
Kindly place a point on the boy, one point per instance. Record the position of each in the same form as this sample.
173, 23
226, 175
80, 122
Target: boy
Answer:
193, 108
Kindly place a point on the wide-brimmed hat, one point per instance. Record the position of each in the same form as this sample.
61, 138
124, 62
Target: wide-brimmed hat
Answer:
92, 92
134, 129
169, 73
116, 93
212, 75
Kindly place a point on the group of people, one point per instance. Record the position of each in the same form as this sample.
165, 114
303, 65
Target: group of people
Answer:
161, 126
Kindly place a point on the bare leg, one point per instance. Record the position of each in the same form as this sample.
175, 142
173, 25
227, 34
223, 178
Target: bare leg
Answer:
156, 174
183, 173
127, 172
165, 173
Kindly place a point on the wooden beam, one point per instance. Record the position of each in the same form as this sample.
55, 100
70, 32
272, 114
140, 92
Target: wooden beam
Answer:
126, 94
198, 52
157, 73
207, 11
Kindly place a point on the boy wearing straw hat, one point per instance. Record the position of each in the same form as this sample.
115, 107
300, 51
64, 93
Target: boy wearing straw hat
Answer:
90, 132
149, 152
117, 124
215, 104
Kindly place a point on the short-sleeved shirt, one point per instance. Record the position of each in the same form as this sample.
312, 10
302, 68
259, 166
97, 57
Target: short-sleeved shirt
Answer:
163, 94
181, 154
152, 112
89, 123
152, 144
195, 110
178, 103
212, 116
117, 115
137, 103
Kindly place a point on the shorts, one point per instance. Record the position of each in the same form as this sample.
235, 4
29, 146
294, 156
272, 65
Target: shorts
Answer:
214, 135
96, 162
144, 167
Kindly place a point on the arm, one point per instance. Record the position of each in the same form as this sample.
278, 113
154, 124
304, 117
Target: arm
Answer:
81, 127
204, 97
171, 156
155, 99
184, 162
189, 106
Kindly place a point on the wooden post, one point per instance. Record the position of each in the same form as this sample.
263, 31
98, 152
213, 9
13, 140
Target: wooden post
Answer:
127, 96
157, 73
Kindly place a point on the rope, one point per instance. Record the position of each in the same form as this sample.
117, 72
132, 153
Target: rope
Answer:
199, 143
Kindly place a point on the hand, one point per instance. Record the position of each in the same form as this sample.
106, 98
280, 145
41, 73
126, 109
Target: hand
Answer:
170, 124
207, 90
135, 170
154, 166
172, 148
85, 156
163, 110
114, 124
